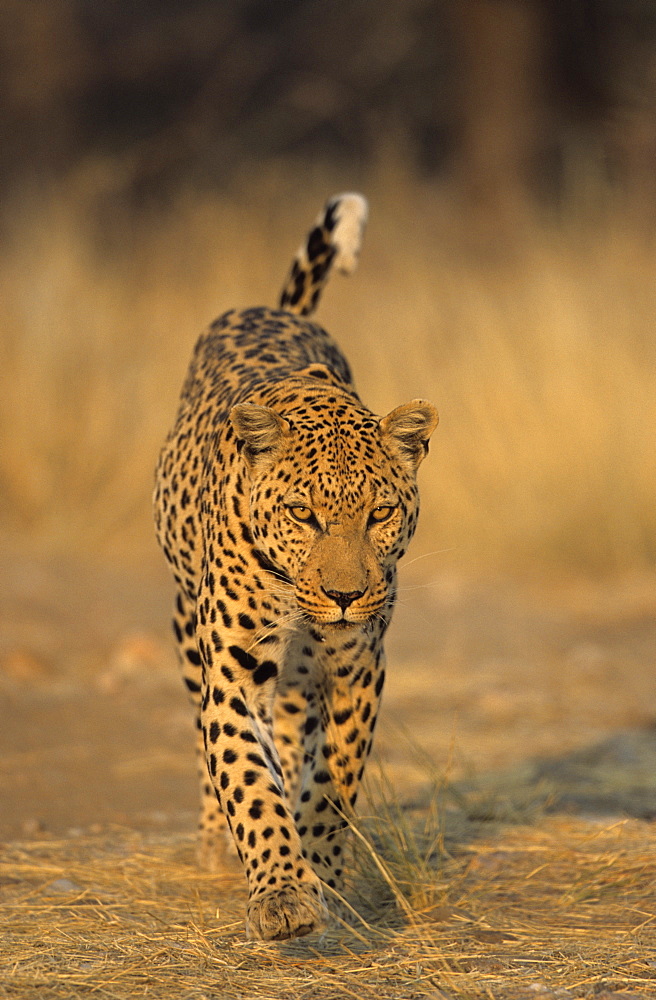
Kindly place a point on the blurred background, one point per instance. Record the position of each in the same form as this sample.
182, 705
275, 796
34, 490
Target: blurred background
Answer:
160, 162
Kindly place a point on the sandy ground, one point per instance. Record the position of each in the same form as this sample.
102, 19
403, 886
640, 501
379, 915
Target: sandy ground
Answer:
514, 694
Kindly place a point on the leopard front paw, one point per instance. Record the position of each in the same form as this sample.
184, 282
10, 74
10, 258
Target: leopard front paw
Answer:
288, 912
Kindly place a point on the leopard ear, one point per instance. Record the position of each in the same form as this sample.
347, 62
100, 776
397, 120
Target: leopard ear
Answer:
406, 430
261, 431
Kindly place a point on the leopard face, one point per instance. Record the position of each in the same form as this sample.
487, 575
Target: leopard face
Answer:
333, 503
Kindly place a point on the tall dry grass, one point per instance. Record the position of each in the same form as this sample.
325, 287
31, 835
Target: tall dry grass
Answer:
535, 340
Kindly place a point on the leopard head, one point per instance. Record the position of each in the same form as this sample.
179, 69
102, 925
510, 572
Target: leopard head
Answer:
333, 496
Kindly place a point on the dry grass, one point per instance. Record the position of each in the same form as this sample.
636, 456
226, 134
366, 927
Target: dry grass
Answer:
568, 907
535, 341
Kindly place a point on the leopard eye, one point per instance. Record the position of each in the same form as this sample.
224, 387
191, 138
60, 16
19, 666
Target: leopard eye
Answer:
301, 513
380, 514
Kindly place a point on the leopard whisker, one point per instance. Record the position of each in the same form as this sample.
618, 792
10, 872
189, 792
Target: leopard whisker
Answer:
280, 623
425, 555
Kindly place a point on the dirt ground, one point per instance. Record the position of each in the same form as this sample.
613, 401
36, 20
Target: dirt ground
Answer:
511, 688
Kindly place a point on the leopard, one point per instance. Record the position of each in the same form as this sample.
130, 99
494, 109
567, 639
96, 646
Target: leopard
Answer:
283, 505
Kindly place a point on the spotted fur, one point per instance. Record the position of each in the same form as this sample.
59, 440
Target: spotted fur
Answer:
283, 505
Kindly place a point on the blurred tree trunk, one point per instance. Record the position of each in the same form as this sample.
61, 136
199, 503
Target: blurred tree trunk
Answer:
501, 108
631, 124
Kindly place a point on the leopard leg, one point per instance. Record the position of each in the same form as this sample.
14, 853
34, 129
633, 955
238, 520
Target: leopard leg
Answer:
338, 734
214, 840
295, 697
285, 894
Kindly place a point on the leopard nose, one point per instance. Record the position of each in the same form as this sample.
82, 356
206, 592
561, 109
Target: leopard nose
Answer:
342, 598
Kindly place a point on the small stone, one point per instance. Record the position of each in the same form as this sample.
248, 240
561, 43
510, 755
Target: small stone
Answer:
32, 827
24, 667
64, 885
136, 656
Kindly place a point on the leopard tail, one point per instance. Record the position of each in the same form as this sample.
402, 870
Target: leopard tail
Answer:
333, 242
